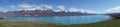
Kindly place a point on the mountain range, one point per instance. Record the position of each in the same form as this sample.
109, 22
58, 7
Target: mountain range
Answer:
39, 12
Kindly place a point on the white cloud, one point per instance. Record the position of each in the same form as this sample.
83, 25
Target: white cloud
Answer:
113, 10
39, 6
1, 8
24, 5
30, 9
48, 6
12, 6
72, 9
61, 7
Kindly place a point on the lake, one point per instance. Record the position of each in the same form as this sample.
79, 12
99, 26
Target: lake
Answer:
62, 19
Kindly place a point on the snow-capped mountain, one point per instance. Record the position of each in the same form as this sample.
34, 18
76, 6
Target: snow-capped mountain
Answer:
39, 12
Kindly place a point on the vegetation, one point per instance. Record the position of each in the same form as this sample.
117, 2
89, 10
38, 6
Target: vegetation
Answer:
6, 23
1, 18
114, 16
112, 23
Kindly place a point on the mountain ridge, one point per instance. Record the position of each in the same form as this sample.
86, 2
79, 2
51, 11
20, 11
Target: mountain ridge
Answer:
39, 12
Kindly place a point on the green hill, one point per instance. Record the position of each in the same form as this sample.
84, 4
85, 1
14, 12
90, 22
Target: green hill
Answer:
112, 23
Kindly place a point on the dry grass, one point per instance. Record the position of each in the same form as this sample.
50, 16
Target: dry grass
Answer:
12, 23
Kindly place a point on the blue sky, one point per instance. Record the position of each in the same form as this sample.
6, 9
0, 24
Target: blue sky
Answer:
101, 6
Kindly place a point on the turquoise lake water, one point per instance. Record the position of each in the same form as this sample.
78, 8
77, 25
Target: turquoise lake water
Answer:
62, 19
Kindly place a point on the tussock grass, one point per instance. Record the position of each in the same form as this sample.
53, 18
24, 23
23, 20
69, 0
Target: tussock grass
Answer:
7, 23
12, 23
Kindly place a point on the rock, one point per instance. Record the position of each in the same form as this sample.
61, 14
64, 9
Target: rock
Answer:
1, 18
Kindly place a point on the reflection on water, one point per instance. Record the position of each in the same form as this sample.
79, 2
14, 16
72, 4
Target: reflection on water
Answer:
62, 19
